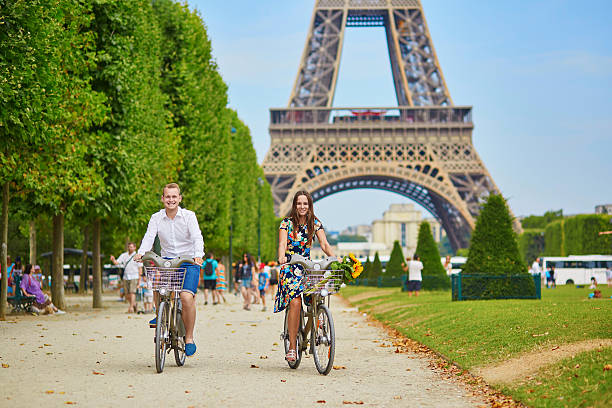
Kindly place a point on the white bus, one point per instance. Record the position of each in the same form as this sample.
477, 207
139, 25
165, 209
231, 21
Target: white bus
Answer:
578, 269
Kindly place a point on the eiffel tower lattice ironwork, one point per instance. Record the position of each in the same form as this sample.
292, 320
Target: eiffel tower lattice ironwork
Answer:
421, 149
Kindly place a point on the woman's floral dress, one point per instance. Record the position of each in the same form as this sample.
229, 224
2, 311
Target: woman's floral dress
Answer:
291, 285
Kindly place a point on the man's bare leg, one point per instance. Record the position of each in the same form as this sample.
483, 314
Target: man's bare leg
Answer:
189, 315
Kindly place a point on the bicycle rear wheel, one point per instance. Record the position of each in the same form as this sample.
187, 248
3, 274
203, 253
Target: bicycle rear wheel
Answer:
179, 340
298, 344
161, 334
323, 340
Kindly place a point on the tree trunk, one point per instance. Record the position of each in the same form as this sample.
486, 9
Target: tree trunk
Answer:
84, 279
3, 261
57, 273
97, 267
33, 242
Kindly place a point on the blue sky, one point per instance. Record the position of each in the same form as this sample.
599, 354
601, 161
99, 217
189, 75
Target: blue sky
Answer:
538, 74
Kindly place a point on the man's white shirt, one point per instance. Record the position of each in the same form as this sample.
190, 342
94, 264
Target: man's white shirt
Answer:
130, 266
414, 270
178, 236
535, 268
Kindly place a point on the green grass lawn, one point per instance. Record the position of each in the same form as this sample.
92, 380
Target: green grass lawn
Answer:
480, 333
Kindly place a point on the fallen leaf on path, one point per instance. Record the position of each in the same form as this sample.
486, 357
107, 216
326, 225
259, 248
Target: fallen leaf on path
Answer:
397, 397
39, 325
97, 373
539, 335
91, 340
275, 344
228, 324
555, 348
321, 402
119, 337
254, 366
46, 344
283, 380
187, 391
61, 392
263, 357
408, 369
49, 392
254, 325
130, 396
339, 367
70, 403
4, 365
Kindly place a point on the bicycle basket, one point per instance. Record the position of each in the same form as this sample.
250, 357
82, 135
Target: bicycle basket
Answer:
170, 279
322, 282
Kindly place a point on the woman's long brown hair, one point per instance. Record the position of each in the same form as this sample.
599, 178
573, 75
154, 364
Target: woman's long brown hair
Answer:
310, 217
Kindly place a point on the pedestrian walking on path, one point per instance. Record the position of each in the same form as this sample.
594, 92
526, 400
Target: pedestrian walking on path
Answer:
414, 268
179, 234
209, 268
247, 272
221, 282
297, 231
131, 274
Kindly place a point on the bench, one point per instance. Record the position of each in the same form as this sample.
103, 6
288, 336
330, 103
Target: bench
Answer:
20, 302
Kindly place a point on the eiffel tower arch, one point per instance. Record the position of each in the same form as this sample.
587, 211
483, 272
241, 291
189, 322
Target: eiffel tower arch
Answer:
421, 149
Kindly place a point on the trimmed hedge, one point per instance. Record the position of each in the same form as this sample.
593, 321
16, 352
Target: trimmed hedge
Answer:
531, 244
394, 266
578, 235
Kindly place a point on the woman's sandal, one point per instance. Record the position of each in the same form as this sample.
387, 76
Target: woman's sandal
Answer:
291, 356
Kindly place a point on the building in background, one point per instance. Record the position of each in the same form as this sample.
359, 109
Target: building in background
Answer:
603, 209
399, 223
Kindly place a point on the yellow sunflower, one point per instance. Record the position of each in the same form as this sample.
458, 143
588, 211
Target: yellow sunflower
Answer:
352, 256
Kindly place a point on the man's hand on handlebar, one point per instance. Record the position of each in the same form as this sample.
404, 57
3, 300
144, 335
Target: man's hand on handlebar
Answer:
198, 260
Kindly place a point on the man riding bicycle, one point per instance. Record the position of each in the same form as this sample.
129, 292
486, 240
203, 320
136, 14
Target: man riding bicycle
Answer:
179, 234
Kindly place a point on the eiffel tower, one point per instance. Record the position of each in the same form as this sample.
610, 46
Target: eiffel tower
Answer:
421, 149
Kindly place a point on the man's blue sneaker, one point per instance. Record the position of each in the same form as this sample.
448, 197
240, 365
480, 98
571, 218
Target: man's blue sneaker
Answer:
190, 349
153, 323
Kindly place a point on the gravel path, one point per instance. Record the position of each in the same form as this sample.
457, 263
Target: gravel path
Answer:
104, 358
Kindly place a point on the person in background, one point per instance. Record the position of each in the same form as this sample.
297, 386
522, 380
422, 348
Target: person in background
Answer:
535, 267
9, 270
221, 281
31, 287
593, 283
237, 277
209, 268
147, 294
246, 280
609, 276
448, 266
273, 278
415, 279
131, 274
264, 278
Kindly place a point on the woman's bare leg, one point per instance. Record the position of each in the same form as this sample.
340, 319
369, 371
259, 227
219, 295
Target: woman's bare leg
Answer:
294, 321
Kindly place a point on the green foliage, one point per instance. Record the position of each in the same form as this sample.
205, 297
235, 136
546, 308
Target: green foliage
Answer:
553, 239
434, 275
541, 221
582, 237
578, 235
394, 266
463, 252
367, 266
531, 244
375, 270
494, 251
197, 99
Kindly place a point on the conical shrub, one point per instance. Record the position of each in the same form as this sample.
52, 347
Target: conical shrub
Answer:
434, 275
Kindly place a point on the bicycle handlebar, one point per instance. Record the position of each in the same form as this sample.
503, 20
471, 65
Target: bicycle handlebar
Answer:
310, 264
167, 263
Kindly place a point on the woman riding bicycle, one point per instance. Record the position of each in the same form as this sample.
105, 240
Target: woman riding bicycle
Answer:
295, 236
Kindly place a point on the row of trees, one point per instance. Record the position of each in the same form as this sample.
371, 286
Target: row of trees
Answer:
101, 104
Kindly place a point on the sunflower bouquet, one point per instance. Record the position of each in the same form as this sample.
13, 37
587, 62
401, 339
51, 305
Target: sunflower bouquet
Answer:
351, 267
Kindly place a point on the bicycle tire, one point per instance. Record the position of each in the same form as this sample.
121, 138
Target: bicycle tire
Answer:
323, 340
298, 340
161, 331
179, 341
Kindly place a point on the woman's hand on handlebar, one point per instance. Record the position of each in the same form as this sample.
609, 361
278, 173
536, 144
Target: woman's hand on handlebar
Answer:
282, 260
137, 257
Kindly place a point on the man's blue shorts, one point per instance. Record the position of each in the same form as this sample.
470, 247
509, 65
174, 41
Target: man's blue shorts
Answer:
192, 278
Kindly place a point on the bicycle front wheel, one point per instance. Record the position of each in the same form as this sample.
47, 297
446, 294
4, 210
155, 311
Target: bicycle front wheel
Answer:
161, 334
323, 340
179, 340
298, 341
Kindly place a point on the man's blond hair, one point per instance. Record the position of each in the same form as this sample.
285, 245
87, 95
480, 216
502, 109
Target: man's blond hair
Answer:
171, 185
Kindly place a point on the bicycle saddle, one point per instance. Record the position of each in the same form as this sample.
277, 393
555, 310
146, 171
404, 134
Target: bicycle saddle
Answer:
309, 264
166, 263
